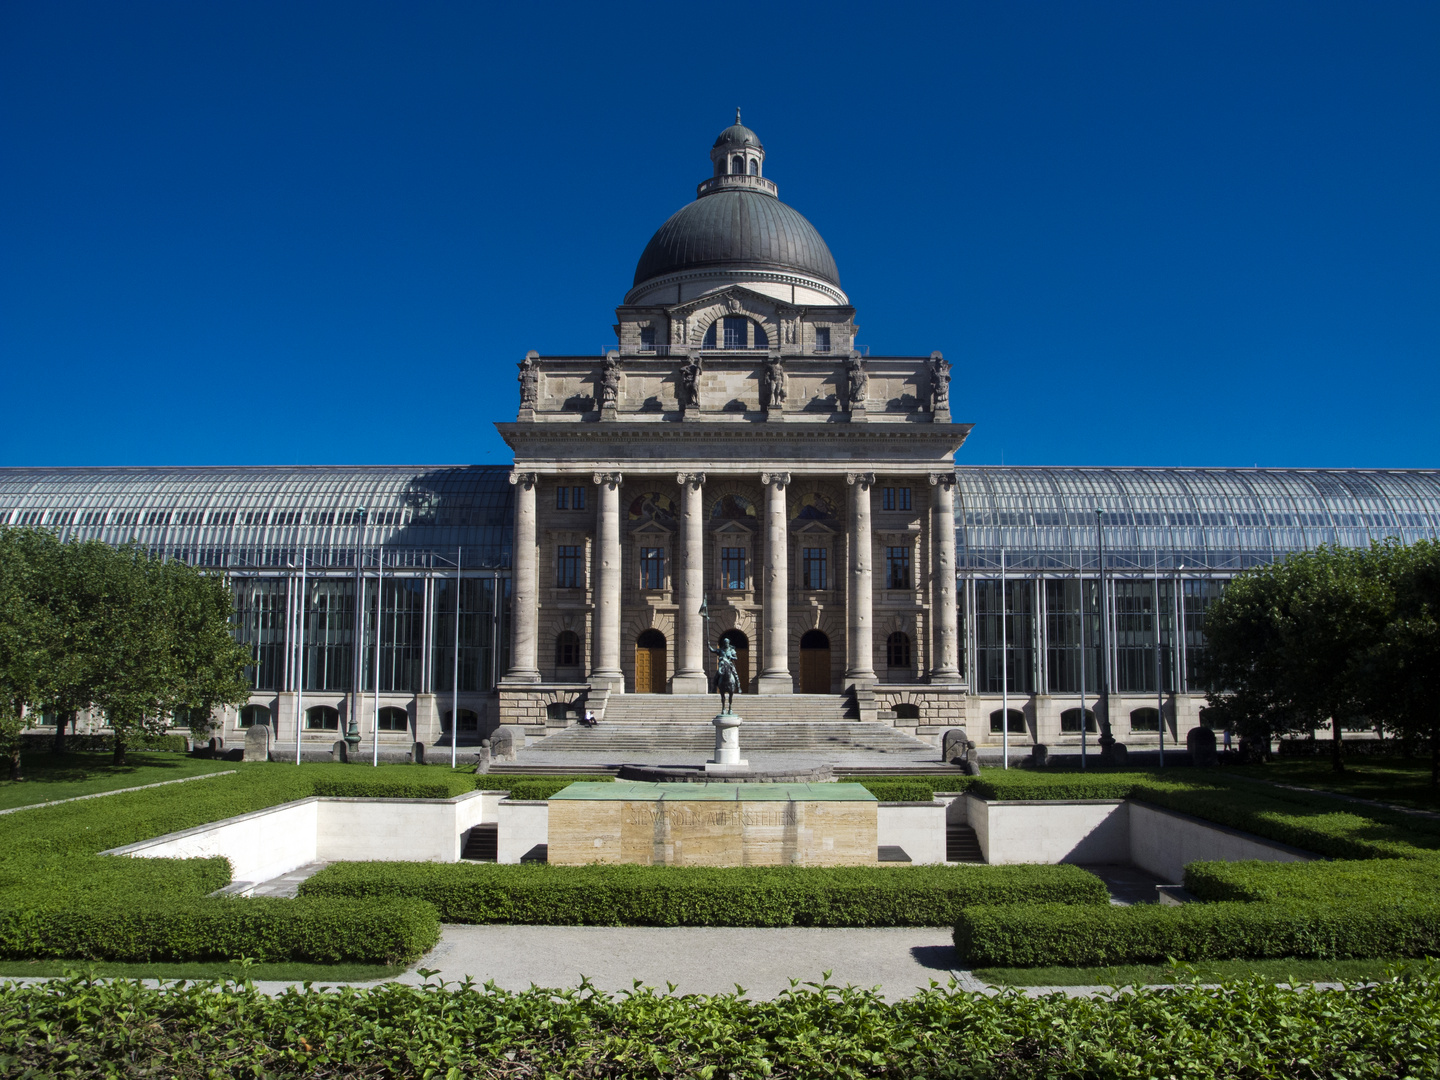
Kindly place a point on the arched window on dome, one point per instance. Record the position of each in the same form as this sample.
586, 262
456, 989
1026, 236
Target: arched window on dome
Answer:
754, 167
737, 166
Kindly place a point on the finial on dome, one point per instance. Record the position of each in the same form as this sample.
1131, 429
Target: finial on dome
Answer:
737, 114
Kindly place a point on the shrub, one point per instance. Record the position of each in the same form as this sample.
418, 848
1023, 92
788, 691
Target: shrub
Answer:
1397, 880
900, 790
1245, 1030
1002, 784
1039, 935
706, 896
321, 931
533, 787
174, 744
445, 785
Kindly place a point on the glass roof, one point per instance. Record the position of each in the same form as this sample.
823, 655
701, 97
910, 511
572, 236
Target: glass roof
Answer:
268, 516
1044, 518
1215, 519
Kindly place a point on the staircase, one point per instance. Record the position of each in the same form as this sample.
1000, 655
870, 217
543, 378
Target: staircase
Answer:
756, 708
483, 844
962, 845
697, 740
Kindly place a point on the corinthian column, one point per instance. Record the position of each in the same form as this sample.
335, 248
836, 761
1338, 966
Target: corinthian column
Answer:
775, 678
525, 587
944, 666
860, 651
606, 670
690, 633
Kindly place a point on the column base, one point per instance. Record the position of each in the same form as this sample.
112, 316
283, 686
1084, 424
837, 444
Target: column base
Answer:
860, 678
614, 681
519, 678
944, 678
775, 684
690, 684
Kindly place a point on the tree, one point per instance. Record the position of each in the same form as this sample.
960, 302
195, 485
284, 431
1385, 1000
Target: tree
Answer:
1289, 641
167, 646
1402, 668
23, 655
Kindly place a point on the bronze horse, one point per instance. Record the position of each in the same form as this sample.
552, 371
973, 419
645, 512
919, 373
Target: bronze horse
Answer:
727, 679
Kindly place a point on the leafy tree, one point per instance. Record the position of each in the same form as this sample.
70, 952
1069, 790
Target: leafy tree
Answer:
22, 639
1289, 642
1402, 668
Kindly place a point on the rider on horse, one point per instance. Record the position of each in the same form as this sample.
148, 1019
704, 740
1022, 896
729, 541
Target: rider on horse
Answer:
727, 679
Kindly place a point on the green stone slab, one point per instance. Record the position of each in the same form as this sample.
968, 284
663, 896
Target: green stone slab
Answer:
644, 791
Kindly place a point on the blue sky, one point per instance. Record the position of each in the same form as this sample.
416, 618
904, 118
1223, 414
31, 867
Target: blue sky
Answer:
1144, 233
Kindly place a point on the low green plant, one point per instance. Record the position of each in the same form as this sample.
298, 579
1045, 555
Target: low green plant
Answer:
1244, 1030
1017, 784
900, 790
706, 896
1037, 935
1348, 881
533, 787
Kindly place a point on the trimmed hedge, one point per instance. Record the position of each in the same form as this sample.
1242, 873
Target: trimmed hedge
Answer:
1002, 784
706, 896
1040, 935
172, 744
533, 787
444, 786
1360, 881
900, 790
320, 931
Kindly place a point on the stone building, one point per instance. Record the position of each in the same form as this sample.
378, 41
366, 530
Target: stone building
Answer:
737, 467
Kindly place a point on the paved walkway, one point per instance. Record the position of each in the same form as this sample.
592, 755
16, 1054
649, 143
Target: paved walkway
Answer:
118, 791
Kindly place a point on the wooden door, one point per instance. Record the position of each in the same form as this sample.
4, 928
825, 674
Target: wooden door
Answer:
814, 671
649, 669
742, 667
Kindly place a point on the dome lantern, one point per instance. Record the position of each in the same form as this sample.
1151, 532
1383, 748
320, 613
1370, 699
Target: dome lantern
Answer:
738, 151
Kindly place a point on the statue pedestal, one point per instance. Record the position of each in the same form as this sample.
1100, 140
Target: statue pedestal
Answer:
727, 746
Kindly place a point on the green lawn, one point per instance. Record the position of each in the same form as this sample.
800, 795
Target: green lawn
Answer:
1210, 971
63, 776
318, 973
1402, 781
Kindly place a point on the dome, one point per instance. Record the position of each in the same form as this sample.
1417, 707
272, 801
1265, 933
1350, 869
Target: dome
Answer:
731, 229
735, 136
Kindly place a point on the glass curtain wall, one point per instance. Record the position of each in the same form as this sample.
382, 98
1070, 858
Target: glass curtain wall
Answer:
402, 636
1019, 631
259, 625
329, 634
478, 662
1198, 595
1063, 601
1136, 625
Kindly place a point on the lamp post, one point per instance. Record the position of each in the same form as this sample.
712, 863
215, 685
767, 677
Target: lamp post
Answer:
352, 729
705, 655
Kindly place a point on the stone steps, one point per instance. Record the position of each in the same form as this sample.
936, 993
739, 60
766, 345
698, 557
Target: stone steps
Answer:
793, 737
962, 845
482, 845
701, 708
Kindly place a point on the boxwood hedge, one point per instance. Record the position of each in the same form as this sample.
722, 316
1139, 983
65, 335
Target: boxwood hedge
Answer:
1038, 935
1351, 881
533, 787
706, 896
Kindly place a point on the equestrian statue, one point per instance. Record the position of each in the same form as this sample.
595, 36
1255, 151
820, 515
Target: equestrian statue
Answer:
727, 679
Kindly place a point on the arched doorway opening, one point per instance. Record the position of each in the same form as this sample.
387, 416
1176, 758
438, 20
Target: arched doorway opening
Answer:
738, 639
650, 663
814, 662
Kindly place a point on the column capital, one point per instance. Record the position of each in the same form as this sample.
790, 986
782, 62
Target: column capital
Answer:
779, 479
527, 479
695, 479
607, 478
861, 479
944, 480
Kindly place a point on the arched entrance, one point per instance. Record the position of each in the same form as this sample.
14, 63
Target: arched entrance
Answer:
738, 639
650, 663
814, 663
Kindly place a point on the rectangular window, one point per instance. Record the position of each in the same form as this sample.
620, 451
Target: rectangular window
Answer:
647, 339
652, 568
577, 498
568, 572
902, 498
897, 568
822, 339
562, 498
732, 568
887, 499
813, 568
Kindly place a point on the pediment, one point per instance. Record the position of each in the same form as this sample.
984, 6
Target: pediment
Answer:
733, 528
651, 528
814, 528
747, 299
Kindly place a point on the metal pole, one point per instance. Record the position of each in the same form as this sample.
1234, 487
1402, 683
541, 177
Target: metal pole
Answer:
1159, 685
1104, 673
1082, 669
1004, 669
455, 691
300, 666
379, 629
357, 667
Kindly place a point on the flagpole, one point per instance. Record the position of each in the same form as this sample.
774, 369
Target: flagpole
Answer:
379, 629
1004, 669
300, 667
1083, 724
455, 691
1159, 685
